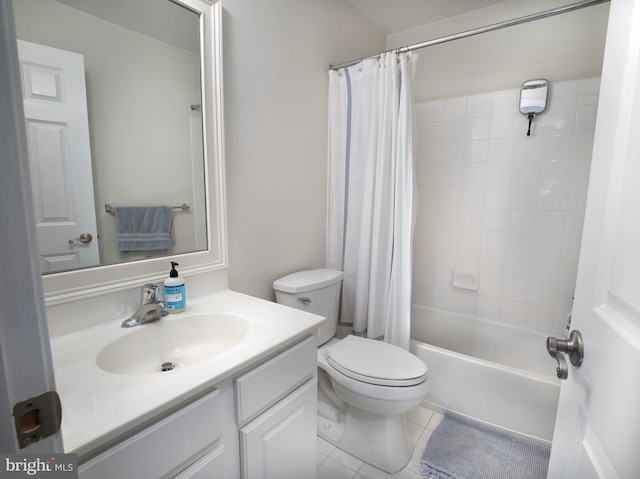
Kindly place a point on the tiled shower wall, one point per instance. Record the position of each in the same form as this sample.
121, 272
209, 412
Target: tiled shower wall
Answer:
506, 207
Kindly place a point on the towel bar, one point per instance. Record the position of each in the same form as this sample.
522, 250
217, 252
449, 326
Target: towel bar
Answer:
111, 210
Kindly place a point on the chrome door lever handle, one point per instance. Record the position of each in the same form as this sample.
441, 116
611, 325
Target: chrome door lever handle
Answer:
574, 347
562, 371
84, 239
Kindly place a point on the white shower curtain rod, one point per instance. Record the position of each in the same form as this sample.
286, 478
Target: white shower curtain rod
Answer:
477, 31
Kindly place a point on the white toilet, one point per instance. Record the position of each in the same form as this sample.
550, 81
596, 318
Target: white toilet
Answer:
365, 386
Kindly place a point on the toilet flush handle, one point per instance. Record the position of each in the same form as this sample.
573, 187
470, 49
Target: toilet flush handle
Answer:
305, 301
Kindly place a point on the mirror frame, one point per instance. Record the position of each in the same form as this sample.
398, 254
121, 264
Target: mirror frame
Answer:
84, 283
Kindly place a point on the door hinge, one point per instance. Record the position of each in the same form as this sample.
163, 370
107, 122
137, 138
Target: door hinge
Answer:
37, 418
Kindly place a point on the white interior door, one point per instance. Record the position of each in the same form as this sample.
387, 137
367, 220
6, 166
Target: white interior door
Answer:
57, 124
26, 368
597, 433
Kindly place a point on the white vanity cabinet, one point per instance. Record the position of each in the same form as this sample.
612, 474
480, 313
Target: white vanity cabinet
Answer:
260, 424
276, 409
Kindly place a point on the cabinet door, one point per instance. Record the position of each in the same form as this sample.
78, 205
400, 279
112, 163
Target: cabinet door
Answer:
281, 443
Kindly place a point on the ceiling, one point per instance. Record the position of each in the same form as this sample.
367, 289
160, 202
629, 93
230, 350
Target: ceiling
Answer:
392, 16
165, 21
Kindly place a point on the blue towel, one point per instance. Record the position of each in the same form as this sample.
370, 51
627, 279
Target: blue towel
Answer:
143, 228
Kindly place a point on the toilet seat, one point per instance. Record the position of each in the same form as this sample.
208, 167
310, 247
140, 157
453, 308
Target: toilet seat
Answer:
376, 362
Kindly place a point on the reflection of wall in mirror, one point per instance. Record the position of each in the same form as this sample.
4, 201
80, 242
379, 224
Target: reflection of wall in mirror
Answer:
139, 90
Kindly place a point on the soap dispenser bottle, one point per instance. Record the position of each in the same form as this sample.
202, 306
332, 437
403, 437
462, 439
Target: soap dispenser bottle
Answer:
174, 293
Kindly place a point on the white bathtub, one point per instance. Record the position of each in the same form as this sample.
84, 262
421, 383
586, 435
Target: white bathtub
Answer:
488, 370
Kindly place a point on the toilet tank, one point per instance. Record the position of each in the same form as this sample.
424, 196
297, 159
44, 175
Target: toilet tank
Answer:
315, 291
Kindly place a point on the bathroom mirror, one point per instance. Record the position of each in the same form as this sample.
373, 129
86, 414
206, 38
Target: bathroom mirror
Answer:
153, 171
144, 114
533, 99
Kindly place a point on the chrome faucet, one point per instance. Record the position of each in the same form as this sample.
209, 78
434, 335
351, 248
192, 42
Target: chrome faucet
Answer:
150, 309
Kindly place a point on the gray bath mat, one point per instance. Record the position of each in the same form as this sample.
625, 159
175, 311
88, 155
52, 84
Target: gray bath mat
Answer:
462, 448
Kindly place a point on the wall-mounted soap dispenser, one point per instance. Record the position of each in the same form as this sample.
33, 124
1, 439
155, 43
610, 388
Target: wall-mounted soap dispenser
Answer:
533, 99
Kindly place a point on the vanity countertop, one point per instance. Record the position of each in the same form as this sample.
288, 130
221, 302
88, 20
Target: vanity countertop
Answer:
99, 407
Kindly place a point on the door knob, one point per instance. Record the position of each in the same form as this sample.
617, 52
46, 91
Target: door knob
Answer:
84, 238
574, 347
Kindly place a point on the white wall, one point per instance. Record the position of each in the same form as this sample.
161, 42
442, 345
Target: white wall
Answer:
140, 146
276, 56
504, 206
563, 47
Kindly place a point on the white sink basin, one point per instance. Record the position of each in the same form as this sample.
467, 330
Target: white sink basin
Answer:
172, 342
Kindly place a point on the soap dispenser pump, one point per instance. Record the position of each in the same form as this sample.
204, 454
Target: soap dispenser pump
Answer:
174, 291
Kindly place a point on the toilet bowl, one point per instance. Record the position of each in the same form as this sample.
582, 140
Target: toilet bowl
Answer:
365, 386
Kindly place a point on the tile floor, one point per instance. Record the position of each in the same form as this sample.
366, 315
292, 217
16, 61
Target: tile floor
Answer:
332, 463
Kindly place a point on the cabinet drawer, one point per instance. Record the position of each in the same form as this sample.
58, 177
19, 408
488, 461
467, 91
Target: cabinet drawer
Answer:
164, 447
212, 465
273, 380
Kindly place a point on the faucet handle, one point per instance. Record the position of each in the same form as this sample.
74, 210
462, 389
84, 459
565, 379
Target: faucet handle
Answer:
149, 293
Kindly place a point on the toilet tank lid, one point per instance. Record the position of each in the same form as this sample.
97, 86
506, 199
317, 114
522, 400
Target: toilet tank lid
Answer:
304, 281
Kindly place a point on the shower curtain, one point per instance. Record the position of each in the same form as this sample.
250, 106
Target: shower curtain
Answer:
372, 194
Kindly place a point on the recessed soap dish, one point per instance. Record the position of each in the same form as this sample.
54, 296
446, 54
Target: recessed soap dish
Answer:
465, 280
